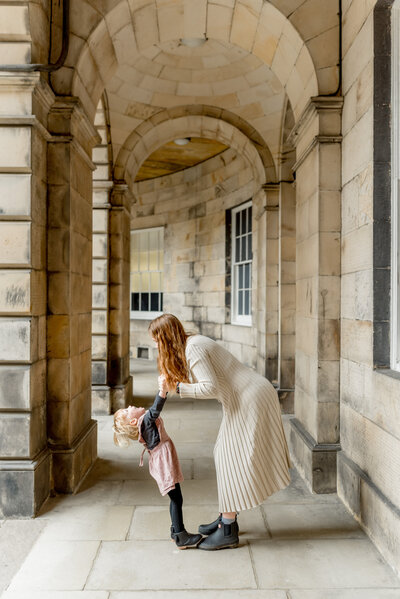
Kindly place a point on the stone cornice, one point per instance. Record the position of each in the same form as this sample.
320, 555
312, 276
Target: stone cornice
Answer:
68, 117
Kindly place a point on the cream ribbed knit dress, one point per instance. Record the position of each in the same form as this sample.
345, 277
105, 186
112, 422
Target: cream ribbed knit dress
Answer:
251, 454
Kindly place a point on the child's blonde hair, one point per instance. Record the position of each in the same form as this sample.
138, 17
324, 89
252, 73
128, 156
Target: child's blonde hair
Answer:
124, 431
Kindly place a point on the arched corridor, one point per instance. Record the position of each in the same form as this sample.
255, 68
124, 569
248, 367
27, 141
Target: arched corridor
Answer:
234, 162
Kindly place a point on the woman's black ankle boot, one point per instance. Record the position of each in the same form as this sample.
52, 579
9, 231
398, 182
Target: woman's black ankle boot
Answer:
184, 539
207, 529
226, 536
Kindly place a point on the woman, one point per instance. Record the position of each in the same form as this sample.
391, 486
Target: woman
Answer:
251, 454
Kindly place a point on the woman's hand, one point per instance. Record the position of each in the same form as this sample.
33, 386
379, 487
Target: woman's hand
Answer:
162, 386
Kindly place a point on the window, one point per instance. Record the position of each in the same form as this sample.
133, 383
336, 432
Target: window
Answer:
395, 295
147, 265
242, 255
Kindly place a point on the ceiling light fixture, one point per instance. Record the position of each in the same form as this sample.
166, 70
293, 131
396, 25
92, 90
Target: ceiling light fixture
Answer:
193, 42
182, 141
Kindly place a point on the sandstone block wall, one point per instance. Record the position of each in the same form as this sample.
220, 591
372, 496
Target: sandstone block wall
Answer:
369, 463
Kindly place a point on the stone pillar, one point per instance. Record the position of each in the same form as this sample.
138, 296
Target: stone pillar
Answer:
287, 294
71, 431
315, 428
119, 379
101, 397
272, 281
260, 276
25, 461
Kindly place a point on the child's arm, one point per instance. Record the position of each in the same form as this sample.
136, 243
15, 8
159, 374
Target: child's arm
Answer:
149, 429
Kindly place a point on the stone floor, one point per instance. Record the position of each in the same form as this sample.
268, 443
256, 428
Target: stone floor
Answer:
110, 540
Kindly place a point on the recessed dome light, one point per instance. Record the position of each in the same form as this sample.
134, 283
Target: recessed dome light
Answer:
193, 42
182, 141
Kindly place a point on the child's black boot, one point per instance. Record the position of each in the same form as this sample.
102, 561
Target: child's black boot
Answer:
226, 535
184, 539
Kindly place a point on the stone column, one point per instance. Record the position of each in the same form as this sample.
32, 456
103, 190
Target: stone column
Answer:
71, 431
119, 379
315, 428
25, 461
287, 294
272, 281
101, 399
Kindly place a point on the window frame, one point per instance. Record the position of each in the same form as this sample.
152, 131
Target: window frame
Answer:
141, 314
240, 319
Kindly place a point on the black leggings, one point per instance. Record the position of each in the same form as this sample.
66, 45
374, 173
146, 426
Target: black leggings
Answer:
175, 508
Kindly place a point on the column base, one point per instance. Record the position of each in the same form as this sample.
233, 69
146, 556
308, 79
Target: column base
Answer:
25, 485
316, 462
101, 400
72, 464
121, 395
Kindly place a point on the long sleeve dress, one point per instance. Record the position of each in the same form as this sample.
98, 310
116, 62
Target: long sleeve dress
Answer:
251, 454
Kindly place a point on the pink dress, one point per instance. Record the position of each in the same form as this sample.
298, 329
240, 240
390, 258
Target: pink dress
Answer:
164, 464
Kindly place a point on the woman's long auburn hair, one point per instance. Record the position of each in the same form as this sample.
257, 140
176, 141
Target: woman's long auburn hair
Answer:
171, 338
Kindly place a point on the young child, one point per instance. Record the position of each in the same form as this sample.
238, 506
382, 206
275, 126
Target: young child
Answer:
136, 423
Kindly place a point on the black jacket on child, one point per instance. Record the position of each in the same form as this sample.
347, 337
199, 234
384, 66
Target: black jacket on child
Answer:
149, 430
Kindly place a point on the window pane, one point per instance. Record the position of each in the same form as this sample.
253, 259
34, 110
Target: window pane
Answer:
155, 281
244, 222
237, 250
144, 249
243, 257
145, 282
134, 259
240, 303
161, 303
154, 302
237, 224
135, 282
153, 260
249, 247
247, 302
144, 302
249, 223
247, 276
135, 301
240, 268
153, 240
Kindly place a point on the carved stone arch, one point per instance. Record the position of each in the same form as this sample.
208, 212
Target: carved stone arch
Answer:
286, 44
149, 136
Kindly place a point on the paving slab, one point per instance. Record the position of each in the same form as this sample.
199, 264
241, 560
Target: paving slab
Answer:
90, 523
154, 522
129, 469
297, 493
320, 563
144, 565
195, 492
200, 594
56, 565
346, 594
56, 595
17, 537
313, 521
